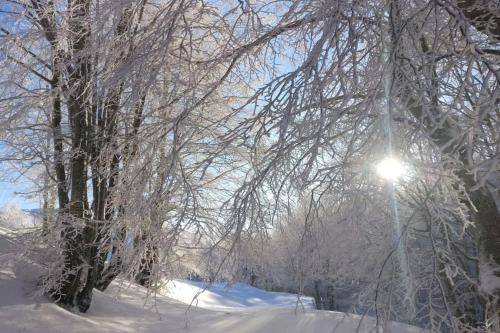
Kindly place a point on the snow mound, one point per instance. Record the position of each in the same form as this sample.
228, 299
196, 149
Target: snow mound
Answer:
237, 297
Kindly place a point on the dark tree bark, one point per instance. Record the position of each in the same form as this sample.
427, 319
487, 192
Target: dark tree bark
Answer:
62, 187
481, 15
69, 293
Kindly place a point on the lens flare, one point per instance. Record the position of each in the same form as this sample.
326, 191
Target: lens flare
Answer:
390, 169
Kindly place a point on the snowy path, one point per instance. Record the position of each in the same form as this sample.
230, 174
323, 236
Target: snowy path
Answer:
128, 309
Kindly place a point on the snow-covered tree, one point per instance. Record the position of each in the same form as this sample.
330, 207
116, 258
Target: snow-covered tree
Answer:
219, 118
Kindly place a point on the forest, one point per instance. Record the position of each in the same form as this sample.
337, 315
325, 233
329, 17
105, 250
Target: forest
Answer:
344, 150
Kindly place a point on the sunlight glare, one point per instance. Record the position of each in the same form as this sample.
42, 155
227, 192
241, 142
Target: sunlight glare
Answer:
390, 169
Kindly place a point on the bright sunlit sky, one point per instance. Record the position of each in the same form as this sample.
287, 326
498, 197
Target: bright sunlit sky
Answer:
390, 168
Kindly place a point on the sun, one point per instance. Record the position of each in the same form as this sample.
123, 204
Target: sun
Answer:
390, 169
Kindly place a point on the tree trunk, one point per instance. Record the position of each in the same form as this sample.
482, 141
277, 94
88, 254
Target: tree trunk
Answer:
149, 259
105, 173
486, 213
109, 273
48, 205
73, 235
317, 295
62, 188
441, 130
487, 221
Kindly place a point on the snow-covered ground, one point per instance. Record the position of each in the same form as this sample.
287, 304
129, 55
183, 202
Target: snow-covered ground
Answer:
237, 297
129, 308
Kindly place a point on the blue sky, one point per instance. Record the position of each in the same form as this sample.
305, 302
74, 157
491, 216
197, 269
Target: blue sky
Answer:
9, 190
8, 194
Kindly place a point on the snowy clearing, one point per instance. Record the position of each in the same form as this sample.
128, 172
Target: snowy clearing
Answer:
237, 297
129, 308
